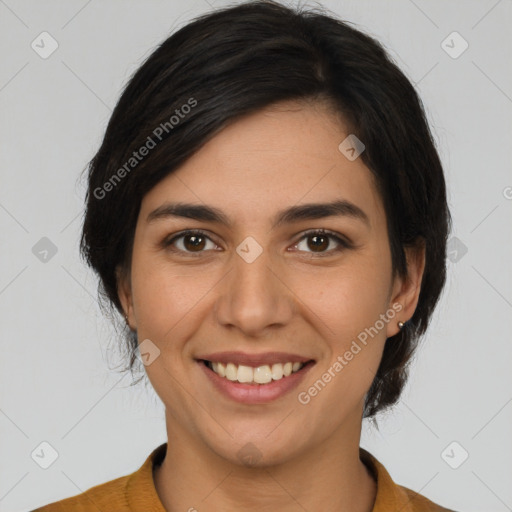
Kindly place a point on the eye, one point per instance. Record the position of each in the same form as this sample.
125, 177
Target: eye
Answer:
320, 240
190, 241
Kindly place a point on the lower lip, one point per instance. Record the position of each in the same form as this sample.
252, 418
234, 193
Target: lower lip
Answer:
255, 393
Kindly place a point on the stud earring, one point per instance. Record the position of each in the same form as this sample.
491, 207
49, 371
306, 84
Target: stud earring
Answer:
400, 325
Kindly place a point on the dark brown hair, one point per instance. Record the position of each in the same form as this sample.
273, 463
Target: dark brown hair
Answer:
238, 60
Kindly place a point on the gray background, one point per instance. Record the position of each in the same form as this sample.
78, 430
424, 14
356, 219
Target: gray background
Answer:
56, 384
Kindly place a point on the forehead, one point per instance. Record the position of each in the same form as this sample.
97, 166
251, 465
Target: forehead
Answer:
282, 155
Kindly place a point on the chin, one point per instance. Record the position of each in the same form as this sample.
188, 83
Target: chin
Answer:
258, 450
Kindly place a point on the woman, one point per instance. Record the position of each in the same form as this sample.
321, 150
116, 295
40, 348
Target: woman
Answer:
268, 213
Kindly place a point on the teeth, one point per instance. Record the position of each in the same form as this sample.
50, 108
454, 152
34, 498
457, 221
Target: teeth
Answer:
221, 369
260, 375
245, 374
277, 371
231, 371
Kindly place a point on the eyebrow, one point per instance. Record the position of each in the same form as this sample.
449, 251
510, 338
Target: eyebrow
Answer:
309, 211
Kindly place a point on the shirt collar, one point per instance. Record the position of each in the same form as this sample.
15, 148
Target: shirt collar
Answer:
141, 492
140, 488
390, 496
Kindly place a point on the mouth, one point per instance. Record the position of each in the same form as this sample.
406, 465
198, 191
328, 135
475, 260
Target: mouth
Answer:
254, 379
259, 375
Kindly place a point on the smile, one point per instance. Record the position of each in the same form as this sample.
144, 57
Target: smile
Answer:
249, 375
254, 378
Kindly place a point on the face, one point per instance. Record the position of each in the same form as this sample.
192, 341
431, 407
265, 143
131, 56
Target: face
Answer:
265, 280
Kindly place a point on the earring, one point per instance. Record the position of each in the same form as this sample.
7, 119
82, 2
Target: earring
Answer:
400, 325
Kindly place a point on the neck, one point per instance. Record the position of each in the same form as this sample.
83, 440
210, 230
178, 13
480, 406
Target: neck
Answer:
329, 477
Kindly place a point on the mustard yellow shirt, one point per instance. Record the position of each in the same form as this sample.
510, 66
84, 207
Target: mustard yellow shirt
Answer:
137, 493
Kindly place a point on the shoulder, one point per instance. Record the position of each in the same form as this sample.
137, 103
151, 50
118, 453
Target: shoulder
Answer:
99, 497
391, 496
123, 494
421, 504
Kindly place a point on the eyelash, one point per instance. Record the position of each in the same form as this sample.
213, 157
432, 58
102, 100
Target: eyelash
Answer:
342, 243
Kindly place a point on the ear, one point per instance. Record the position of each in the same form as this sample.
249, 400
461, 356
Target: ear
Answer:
124, 292
406, 290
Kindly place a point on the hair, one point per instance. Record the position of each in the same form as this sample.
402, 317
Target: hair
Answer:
236, 61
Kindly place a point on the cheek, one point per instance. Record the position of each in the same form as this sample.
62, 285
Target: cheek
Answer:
348, 299
349, 307
166, 298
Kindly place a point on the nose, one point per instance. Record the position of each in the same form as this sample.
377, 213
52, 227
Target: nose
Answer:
254, 297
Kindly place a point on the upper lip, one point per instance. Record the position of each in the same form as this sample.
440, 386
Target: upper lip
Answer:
254, 360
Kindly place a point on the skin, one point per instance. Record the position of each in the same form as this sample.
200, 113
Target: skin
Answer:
291, 299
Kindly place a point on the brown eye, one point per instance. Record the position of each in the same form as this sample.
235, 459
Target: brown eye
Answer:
190, 242
193, 242
319, 242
